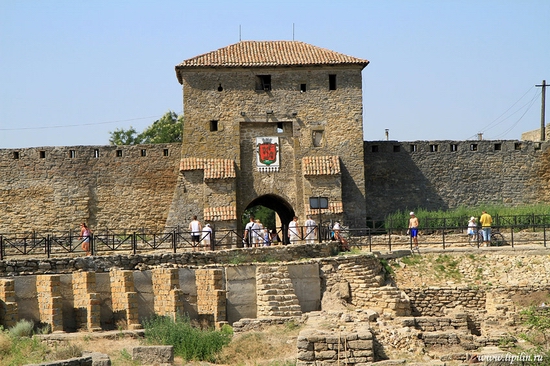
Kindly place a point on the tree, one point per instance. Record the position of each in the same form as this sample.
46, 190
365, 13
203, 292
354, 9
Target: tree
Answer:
124, 137
266, 216
169, 128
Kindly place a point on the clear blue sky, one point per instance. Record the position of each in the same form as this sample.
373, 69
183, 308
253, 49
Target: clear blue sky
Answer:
71, 71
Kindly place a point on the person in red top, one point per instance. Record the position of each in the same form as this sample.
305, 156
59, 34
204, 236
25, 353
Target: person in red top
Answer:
85, 237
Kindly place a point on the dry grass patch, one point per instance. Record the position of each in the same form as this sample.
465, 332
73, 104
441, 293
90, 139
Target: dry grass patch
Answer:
273, 346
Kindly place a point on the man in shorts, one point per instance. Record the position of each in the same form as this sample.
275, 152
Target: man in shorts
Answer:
195, 228
413, 229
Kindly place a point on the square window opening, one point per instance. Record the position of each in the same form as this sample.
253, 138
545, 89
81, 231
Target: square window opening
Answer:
396, 148
374, 148
119, 153
434, 148
498, 147
517, 146
454, 147
42, 154
143, 152
413, 148
165, 152
332, 82
318, 138
280, 128
72, 154
96, 153
303, 88
263, 82
16, 154
213, 125
473, 147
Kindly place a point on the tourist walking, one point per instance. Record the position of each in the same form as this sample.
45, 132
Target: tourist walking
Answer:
311, 230
250, 233
207, 236
85, 234
293, 235
472, 225
195, 228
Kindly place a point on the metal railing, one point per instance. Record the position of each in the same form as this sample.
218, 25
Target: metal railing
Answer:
374, 238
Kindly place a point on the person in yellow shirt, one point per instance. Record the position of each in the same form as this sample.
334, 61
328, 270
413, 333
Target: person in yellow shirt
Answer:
485, 220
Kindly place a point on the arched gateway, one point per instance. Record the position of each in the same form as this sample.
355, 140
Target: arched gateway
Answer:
270, 123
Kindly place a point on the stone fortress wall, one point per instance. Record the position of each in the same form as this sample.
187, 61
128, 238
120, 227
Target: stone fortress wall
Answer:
56, 188
439, 175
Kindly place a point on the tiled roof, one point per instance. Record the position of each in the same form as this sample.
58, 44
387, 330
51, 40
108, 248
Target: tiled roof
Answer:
213, 168
223, 213
334, 207
321, 165
270, 53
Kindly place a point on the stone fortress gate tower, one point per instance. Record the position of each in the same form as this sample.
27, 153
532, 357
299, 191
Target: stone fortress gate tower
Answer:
270, 123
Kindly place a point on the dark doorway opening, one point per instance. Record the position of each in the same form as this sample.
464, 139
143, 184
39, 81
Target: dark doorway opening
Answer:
278, 205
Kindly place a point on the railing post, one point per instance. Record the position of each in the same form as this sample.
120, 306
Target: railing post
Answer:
1, 247
92, 244
444, 229
174, 243
544, 234
48, 245
212, 240
389, 239
370, 239
134, 243
512, 235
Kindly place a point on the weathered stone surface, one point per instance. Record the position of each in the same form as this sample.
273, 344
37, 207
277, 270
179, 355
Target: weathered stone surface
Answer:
153, 354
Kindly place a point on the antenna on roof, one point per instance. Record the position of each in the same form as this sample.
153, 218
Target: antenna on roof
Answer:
293, 31
239, 32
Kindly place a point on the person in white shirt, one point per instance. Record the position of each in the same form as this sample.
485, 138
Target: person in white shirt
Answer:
293, 235
311, 230
195, 228
207, 236
472, 225
248, 239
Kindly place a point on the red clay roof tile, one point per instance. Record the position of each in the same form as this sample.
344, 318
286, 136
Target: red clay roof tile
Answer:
270, 53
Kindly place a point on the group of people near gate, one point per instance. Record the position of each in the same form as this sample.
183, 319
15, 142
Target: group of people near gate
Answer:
256, 235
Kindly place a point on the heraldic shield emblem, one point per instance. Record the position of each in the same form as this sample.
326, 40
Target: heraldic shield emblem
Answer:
267, 153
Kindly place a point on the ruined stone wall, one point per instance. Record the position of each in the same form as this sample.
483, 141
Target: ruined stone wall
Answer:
56, 188
48, 288
168, 297
8, 306
437, 301
33, 266
438, 175
86, 301
211, 298
316, 347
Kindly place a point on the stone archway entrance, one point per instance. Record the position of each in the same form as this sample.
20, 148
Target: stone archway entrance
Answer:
276, 203
282, 208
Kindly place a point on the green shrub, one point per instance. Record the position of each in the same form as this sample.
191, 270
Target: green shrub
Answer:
189, 342
21, 350
23, 328
524, 215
